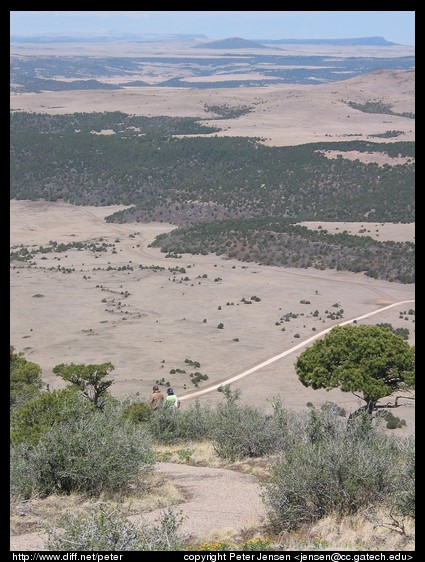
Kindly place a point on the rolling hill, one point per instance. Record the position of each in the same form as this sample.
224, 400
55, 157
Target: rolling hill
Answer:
232, 43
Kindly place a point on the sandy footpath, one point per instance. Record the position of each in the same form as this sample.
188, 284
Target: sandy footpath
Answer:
216, 500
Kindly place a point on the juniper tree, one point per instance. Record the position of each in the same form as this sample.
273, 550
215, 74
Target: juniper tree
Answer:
367, 359
88, 378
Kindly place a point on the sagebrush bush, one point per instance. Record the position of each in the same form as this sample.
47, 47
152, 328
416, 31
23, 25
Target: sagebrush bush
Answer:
107, 529
237, 431
343, 469
404, 495
88, 455
244, 431
21, 480
191, 422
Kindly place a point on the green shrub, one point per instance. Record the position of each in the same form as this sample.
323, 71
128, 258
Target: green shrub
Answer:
40, 414
107, 529
25, 379
137, 412
393, 422
88, 455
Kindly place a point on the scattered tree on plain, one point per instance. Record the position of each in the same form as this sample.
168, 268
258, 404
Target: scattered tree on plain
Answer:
366, 359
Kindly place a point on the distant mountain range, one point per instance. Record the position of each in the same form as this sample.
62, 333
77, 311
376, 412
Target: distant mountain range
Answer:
227, 43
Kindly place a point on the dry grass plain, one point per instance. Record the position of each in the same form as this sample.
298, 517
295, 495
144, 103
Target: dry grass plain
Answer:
85, 317
283, 115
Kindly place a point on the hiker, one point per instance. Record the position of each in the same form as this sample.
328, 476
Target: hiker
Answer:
156, 398
171, 399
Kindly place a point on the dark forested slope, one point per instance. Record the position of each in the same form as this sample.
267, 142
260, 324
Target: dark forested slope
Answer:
180, 179
259, 192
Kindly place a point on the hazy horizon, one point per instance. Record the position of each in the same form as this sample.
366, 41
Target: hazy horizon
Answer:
395, 26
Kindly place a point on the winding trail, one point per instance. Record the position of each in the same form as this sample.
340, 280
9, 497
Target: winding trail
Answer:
296, 347
217, 500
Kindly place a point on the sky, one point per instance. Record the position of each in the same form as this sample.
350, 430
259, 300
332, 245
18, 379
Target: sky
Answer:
395, 26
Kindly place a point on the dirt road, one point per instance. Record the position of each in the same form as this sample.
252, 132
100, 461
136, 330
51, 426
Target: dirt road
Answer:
289, 351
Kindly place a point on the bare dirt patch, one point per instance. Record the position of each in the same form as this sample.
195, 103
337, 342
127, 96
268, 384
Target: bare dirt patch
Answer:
379, 158
397, 232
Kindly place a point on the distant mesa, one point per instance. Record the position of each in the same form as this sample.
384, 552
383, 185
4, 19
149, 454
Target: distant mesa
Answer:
371, 41
231, 43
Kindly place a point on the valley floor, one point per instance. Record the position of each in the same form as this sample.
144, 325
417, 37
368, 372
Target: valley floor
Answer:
80, 306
